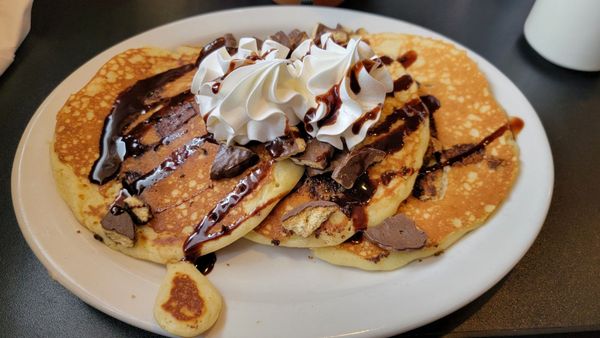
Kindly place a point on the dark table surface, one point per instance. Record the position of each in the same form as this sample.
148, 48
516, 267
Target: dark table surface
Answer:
555, 287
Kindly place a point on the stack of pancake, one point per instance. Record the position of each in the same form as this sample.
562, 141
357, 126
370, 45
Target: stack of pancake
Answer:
133, 160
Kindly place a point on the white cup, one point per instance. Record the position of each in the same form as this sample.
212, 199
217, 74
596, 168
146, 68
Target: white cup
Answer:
566, 33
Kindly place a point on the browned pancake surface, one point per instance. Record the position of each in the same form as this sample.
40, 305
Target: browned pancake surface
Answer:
179, 201
400, 166
470, 190
79, 123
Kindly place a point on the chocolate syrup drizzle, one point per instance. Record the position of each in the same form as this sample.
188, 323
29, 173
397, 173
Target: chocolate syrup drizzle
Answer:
352, 201
514, 125
126, 108
408, 58
209, 48
370, 115
432, 104
215, 87
332, 101
176, 111
413, 114
170, 164
308, 117
402, 83
386, 60
206, 263
353, 76
353, 72
202, 234
130, 104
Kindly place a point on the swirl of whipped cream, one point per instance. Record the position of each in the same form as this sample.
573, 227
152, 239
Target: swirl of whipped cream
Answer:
250, 95
336, 91
338, 104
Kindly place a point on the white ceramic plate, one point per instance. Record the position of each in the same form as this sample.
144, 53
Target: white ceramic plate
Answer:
270, 292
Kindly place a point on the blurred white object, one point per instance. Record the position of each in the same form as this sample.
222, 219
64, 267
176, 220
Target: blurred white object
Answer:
15, 21
566, 33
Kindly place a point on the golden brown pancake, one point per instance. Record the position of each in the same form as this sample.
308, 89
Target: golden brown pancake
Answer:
391, 179
181, 199
457, 198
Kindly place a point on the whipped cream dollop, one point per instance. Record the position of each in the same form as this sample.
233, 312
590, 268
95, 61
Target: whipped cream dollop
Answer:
336, 91
250, 95
345, 86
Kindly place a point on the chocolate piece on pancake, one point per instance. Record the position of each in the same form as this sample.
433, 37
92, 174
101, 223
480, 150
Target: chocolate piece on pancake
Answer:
354, 163
461, 179
230, 43
156, 148
231, 161
122, 217
287, 145
306, 218
339, 34
290, 40
118, 224
396, 233
370, 195
316, 155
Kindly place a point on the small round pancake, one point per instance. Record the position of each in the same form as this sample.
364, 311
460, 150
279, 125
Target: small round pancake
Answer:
393, 178
466, 193
178, 202
187, 303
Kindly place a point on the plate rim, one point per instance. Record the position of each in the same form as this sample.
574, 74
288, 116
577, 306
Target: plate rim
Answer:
54, 268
